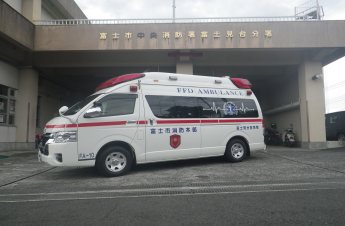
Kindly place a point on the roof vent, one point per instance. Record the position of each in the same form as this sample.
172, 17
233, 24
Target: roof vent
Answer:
173, 77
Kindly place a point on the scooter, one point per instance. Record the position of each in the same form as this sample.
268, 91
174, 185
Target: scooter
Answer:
272, 137
289, 138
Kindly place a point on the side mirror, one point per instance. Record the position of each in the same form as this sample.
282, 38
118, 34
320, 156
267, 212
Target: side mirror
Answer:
93, 112
97, 104
62, 110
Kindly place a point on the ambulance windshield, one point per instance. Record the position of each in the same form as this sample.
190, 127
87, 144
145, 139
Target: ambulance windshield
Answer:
75, 108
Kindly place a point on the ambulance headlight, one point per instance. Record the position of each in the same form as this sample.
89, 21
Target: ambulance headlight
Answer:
63, 137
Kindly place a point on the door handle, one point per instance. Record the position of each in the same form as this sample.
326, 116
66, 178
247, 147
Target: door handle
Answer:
131, 122
151, 121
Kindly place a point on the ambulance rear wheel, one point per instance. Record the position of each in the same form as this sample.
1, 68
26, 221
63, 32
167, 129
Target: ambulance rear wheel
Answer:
114, 161
236, 150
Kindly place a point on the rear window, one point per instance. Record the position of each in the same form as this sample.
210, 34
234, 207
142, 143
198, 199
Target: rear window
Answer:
199, 107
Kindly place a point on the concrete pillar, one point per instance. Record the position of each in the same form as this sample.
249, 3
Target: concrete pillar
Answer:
312, 105
26, 105
31, 9
184, 68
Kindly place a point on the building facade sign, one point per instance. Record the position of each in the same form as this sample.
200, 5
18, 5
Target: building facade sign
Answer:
167, 35
247, 35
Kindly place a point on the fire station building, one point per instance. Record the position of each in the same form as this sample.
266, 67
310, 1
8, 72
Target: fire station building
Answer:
51, 55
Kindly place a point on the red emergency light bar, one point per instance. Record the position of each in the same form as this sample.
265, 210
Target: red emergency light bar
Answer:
118, 80
241, 83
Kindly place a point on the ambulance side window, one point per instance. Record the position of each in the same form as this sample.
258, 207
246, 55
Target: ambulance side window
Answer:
201, 107
161, 106
115, 104
174, 106
228, 108
186, 107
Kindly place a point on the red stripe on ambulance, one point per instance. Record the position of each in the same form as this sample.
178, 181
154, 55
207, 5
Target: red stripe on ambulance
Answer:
144, 122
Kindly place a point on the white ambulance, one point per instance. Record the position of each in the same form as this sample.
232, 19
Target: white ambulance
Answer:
152, 117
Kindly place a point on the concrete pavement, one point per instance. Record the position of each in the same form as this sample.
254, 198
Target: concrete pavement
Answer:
281, 186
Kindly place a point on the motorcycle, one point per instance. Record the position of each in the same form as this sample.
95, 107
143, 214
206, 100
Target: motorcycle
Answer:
289, 138
272, 137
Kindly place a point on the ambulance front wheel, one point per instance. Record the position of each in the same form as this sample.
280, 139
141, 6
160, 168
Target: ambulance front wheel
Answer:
114, 161
236, 150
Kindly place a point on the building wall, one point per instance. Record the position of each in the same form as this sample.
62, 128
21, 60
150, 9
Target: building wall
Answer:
8, 77
64, 9
15, 4
26, 105
280, 103
285, 120
19, 29
24, 80
45, 15
280, 92
72, 10
31, 9
312, 104
7, 134
51, 98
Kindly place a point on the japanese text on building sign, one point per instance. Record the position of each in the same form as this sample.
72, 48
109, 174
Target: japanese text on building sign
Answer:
166, 35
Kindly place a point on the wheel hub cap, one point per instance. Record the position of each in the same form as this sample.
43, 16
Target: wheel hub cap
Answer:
237, 151
116, 161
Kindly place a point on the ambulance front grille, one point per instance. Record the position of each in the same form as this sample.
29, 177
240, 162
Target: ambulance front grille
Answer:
42, 147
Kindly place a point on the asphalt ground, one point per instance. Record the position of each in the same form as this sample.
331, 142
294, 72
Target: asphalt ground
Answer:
280, 186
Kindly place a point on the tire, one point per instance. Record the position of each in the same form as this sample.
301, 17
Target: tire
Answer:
341, 137
114, 161
236, 150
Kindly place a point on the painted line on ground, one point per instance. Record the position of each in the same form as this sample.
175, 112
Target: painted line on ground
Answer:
126, 190
170, 191
169, 195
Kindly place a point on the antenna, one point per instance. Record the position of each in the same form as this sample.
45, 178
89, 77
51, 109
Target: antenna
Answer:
174, 7
310, 10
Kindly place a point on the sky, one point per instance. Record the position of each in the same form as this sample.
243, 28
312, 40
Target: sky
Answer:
333, 74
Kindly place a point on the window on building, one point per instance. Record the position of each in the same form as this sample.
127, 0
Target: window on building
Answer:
7, 105
200, 107
333, 119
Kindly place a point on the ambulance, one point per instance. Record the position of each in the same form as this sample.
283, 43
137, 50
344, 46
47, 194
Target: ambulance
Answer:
153, 117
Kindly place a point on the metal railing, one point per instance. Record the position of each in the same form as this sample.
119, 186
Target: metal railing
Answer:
169, 20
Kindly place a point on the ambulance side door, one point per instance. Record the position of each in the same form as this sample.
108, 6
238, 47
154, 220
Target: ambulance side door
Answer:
172, 131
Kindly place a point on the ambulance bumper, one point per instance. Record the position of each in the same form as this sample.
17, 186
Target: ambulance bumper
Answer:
59, 154
257, 147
